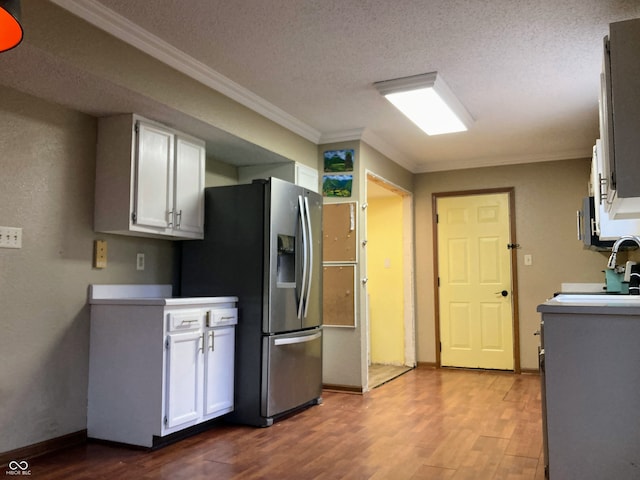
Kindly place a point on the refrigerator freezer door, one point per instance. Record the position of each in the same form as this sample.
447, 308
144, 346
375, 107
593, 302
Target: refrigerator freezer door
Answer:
292, 371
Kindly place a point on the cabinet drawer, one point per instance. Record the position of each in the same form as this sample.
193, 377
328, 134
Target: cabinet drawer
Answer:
185, 320
217, 317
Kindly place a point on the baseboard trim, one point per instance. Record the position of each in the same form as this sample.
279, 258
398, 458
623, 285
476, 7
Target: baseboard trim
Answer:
41, 448
342, 388
431, 365
530, 371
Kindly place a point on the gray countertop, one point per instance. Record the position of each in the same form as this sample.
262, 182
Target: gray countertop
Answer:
594, 304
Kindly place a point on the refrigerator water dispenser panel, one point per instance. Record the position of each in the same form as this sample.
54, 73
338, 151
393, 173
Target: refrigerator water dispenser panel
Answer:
286, 261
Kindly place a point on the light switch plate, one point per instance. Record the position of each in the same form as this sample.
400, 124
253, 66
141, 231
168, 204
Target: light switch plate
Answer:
10, 237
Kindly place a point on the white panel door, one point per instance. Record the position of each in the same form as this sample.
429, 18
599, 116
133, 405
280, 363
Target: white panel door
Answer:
184, 378
189, 185
154, 177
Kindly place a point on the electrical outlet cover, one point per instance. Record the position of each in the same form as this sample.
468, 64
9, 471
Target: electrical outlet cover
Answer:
10, 237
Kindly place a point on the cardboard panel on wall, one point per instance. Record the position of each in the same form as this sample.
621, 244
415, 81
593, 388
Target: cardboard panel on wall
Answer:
339, 232
338, 297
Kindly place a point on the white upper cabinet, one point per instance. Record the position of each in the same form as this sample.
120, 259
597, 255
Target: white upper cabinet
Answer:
605, 226
189, 201
149, 179
153, 186
292, 172
620, 120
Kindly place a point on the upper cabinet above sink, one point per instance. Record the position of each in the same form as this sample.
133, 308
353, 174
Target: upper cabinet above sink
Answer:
620, 120
149, 180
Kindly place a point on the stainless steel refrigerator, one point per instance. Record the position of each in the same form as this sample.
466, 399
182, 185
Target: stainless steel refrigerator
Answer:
263, 243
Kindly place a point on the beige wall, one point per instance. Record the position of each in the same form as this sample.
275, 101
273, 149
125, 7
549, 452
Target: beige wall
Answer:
547, 196
47, 183
218, 174
385, 271
345, 349
89, 53
343, 346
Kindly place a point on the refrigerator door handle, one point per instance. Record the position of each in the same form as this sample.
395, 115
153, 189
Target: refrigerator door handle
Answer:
310, 257
304, 256
294, 340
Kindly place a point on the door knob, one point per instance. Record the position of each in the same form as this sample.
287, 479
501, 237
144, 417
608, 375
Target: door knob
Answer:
504, 293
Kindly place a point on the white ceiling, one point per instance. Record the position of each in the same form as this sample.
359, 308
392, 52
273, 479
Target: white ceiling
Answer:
527, 71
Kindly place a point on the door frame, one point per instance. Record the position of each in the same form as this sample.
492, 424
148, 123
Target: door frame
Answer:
514, 266
409, 320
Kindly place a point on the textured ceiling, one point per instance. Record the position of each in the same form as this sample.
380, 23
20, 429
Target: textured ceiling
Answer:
527, 71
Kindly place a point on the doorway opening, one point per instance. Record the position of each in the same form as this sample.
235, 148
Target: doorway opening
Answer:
389, 287
476, 300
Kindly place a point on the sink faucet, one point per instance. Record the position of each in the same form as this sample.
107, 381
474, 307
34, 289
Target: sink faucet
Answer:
611, 264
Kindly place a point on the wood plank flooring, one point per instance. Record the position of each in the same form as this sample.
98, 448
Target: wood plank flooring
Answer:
380, 374
425, 424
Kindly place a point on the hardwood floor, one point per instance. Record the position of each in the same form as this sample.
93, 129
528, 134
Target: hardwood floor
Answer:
425, 424
381, 374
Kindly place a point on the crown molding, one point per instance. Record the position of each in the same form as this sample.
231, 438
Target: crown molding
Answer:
129, 32
342, 136
501, 161
389, 151
371, 139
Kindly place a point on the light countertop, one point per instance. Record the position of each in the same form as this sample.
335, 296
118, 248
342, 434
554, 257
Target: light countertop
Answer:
598, 304
147, 295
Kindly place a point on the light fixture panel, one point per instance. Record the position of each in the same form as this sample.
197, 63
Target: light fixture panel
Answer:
428, 102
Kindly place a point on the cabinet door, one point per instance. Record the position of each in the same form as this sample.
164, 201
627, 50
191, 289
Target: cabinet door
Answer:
153, 191
307, 177
219, 371
189, 185
184, 374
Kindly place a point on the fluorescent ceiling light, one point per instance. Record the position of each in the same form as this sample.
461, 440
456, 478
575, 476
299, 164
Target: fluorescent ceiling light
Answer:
428, 102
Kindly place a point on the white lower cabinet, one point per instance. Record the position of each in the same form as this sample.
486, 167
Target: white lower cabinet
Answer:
157, 369
200, 375
184, 378
218, 378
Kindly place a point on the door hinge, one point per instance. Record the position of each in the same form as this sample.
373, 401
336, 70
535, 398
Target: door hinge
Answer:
166, 344
513, 245
438, 281
137, 127
134, 217
166, 420
440, 346
437, 218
